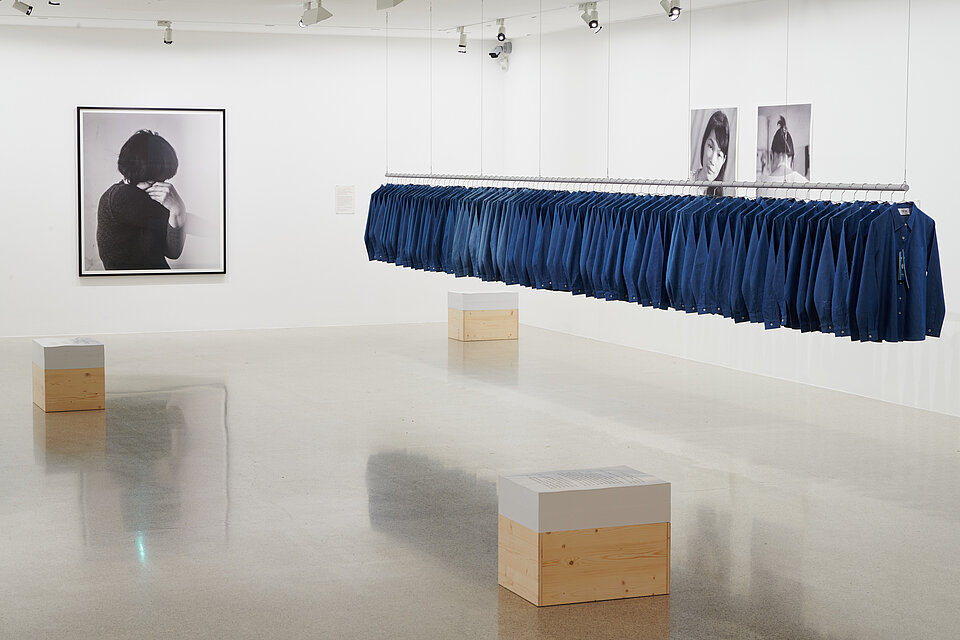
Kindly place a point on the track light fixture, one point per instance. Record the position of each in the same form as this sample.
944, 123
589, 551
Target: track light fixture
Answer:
167, 31
501, 30
387, 4
462, 46
672, 7
590, 15
23, 7
313, 13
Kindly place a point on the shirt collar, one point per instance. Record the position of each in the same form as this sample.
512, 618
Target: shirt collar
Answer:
899, 220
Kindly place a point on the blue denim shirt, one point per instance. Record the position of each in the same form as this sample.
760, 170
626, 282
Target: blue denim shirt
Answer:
694, 229
856, 271
860, 269
772, 306
844, 317
827, 266
901, 291
659, 255
745, 236
673, 276
631, 268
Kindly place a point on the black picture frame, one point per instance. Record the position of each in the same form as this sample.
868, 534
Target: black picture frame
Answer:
125, 226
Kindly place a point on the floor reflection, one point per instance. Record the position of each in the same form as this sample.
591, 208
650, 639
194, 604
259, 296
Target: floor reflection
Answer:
69, 441
750, 585
443, 512
489, 360
361, 499
152, 462
742, 575
640, 618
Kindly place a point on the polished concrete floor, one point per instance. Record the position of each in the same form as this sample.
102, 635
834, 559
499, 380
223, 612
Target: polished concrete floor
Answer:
340, 483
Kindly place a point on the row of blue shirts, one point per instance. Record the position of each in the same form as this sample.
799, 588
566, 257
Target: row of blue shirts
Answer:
867, 270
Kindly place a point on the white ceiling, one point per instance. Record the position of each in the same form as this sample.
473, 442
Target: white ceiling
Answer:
355, 17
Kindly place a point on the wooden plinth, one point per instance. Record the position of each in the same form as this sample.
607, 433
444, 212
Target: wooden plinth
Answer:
69, 389
496, 324
584, 565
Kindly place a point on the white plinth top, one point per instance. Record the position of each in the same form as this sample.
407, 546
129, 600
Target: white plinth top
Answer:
584, 499
68, 353
483, 301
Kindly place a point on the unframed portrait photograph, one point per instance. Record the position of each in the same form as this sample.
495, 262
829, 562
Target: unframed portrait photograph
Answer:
783, 143
152, 191
713, 146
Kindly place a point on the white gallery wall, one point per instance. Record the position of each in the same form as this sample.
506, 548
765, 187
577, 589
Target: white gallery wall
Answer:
306, 113
303, 114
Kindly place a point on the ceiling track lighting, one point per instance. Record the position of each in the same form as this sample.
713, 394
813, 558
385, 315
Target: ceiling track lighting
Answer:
23, 7
590, 15
313, 12
501, 30
167, 31
672, 9
387, 4
462, 45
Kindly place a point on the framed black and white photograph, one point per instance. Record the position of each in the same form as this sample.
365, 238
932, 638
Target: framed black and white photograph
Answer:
713, 146
783, 143
152, 191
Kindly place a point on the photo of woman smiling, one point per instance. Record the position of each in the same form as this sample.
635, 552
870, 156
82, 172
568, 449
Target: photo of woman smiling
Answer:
713, 145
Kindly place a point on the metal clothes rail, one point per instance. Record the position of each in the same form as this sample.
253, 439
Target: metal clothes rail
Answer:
626, 182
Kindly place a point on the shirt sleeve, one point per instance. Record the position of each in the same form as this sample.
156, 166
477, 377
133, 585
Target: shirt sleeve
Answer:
868, 300
841, 283
675, 262
823, 285
771, 310
655, 266
935, 304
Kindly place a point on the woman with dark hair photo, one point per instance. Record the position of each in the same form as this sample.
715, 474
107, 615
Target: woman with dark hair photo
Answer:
141, 219
782, 154
714, 148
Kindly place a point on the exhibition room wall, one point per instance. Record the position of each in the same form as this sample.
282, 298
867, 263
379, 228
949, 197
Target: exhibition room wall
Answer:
617, 103
306, 113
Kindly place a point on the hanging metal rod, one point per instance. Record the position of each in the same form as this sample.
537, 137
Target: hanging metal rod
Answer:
788, 186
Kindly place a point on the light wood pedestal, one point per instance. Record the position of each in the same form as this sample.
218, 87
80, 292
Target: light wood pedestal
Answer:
68, 374
483, 316
584, 535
